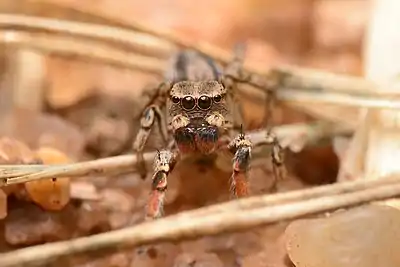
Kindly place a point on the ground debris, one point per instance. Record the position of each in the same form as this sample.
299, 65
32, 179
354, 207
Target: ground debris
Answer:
155, 256
198, 260
27, 224
13, 151
84, 190
43, 129
114, 260
106, 122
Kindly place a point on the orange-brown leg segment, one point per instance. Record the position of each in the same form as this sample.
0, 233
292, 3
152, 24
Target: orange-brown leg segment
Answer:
241, 146
163, 165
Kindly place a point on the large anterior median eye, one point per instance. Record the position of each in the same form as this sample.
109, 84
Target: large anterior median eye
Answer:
188, 103
204, 102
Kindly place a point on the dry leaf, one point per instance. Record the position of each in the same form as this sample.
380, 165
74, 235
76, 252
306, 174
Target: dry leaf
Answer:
362, 237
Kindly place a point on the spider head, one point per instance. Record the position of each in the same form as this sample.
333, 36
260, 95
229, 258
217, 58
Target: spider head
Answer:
197, 111
197, 99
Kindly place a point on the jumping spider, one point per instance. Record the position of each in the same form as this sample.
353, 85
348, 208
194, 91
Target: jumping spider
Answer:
197, 114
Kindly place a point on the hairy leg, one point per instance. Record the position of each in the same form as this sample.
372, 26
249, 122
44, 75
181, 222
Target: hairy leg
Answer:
163, 165
236, 74
233, 69
151, 114
241, 147
277, 160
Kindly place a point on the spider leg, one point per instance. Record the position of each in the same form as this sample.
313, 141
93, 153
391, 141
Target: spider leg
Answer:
277, 155
233, 69
150, 115
241, 147
277, 159
163, 165
236, 74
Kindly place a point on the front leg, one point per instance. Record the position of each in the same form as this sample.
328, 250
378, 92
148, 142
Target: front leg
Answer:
163, 165
151, 114
241, 146
269, 85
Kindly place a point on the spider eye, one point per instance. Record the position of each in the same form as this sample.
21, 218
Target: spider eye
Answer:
175, 99
188, 102
204, 102
217, 98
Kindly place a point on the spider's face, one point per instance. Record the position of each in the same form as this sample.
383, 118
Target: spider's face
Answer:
195, 100
197, 111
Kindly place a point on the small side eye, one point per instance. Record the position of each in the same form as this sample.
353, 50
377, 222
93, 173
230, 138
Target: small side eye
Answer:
217, 98
175, 99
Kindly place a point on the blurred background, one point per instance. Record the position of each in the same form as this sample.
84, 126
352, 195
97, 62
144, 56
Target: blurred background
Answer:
320, 33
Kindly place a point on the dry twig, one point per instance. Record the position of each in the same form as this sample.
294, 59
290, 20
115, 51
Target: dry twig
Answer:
115, 34
84, 48
100, 166
127, 39
189, 224
299, 195
14, 174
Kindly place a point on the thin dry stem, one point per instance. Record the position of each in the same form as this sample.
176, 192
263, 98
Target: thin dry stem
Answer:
139, 42
319, 80
14, 174
100, 166
298, 195
84, 48
299, 95
187, 225
167, 35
